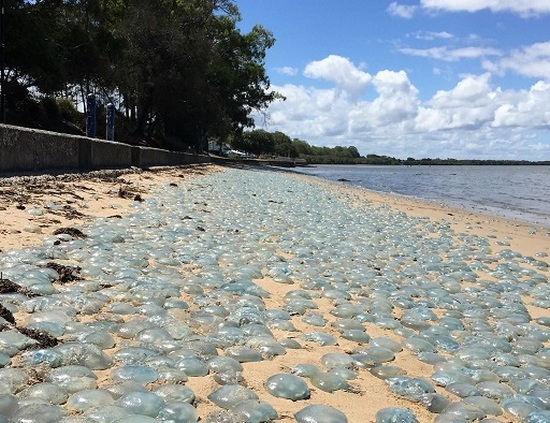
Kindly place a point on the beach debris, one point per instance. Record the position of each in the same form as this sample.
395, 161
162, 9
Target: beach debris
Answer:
6, 314
179, 412
66, 273
7, 286
287, 386
159, 303
394, 415
44, 340
329, 382
74, 232
319, 413
254, 411
229, 396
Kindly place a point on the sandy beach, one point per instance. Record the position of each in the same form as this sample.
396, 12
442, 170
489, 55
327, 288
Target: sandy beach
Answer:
31, 210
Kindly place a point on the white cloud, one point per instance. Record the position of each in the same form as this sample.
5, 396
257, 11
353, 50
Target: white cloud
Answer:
397, 102
430, 36
469, 105
523, 8
529, 111
401, 10
472, 91
340, 71
452, 55
471, 120
287, 70
532, 61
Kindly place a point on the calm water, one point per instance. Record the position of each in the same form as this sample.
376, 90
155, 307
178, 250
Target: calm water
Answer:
516, 192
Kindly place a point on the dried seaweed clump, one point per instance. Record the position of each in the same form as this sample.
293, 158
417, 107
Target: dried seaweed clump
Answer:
9, 287
75, 233
6, 314
44, 339
66, 273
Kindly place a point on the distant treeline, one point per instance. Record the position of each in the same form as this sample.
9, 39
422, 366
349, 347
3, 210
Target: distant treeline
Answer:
277, 144
374, 159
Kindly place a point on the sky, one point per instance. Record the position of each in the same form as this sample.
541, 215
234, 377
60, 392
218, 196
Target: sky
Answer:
464, 79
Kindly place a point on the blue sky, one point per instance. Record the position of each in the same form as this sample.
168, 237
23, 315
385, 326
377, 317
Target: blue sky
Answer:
415, 78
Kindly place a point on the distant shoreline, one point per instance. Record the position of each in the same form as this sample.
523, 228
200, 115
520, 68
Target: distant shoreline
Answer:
289, 162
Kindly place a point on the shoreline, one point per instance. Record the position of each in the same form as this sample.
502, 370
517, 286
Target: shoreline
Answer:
538, 217
530, 237
205, 221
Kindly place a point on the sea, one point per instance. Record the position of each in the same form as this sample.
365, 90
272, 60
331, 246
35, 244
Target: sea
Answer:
520, 193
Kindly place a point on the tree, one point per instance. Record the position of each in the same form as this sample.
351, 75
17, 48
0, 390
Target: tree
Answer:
180, 70
240, 84
302, 147
254, 142
283, 145
353, 152
190, 72
90, 46
32, 59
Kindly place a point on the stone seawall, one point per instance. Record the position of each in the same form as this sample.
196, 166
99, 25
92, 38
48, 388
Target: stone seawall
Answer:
33, 150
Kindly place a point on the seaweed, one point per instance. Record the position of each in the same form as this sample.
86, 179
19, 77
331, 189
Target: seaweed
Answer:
66, 273
44, 339
9, 287
75, 233
6, 314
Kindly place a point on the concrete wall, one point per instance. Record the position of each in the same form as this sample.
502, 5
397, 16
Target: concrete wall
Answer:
147, 157
31, 150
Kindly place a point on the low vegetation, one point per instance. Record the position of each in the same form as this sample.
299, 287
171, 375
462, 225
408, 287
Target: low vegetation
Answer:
261, 143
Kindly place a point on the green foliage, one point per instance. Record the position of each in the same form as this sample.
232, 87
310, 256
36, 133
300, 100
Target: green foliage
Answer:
31, 54
279, 145
67, 110
283, 145
255, 142
179, 70
327, 155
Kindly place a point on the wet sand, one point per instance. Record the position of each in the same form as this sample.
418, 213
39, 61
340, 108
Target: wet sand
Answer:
75, 203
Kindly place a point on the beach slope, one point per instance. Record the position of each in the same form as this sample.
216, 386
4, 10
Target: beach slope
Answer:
395, 302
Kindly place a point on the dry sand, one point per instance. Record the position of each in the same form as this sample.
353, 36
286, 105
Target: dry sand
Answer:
82, 200
73, 200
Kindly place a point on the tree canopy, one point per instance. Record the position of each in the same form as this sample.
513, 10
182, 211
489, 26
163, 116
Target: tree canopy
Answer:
260, 142
178, 71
